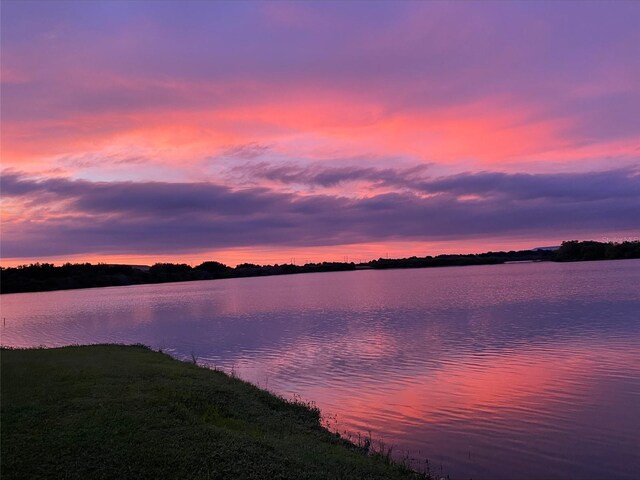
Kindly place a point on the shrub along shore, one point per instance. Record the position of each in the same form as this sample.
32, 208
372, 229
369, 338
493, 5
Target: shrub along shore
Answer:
45, 276
113, 411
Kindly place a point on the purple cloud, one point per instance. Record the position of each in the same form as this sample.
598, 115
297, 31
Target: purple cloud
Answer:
155, 217
319, 175
584, 186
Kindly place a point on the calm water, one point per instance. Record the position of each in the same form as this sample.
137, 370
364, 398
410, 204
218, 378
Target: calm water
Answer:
512, 371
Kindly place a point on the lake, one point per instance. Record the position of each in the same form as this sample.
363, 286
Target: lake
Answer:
520, 371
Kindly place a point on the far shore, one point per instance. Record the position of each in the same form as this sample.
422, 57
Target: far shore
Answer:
47, 277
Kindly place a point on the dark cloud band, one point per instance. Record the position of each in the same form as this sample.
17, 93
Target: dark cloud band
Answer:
157, 217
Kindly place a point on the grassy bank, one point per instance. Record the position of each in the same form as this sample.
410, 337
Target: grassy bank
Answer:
111, 411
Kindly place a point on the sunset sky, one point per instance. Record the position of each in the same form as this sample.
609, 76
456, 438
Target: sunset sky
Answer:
136, 132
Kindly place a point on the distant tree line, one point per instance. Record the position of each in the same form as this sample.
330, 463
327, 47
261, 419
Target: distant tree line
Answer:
449, 260
575, 251
46, 276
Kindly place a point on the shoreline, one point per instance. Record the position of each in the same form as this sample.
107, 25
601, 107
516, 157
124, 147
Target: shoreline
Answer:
129, 411
47, 277
168, 282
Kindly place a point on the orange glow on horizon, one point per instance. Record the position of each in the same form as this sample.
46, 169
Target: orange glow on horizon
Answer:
357, 253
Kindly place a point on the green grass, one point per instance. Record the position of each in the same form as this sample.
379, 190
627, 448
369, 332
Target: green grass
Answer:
109, 411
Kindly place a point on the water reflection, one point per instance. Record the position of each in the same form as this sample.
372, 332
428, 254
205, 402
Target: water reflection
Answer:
514, 371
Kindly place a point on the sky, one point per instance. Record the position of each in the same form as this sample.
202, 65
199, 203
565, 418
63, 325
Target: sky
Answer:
277, 132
